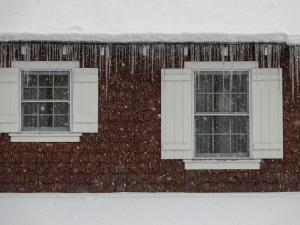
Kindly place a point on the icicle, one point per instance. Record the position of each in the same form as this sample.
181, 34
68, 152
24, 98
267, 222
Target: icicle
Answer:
107, 70
297, 68
24, 49
292, 57
64, 50
132, 58
152, 59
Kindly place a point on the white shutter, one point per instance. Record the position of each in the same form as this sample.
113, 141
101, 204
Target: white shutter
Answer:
176, 114
85, 100
9, 100
267, 113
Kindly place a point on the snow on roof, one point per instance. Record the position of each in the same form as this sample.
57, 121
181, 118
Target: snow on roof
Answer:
151, 20
151, 208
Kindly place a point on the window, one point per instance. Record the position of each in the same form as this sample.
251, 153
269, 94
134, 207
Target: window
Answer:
221, 115
45, 101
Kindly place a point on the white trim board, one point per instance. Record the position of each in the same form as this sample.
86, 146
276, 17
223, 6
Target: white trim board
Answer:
44, 65
222, 164
45, 137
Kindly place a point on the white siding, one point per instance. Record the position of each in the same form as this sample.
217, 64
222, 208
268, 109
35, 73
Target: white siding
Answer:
9, 113
85, 100
176, 114
267, 113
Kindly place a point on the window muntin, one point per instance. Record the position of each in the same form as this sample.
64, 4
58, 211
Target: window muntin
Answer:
221, 113
45, 100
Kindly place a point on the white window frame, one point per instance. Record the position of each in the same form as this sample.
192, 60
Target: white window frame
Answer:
213, 114
46, 136
69, 101
222, 162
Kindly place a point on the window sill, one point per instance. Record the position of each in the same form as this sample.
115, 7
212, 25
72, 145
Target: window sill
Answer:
238, 164
45, 137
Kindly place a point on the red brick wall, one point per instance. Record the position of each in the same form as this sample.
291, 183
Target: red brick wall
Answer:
125, 154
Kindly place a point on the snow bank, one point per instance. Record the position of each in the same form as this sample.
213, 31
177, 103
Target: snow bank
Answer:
148, 21
158, 208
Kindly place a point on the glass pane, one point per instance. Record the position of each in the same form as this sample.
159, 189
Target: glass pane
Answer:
30, 94
203, 144
61, 121
222, 103
222, 82
45, 93
46, 108
45, 121
203, 83
240, 82
30, 108
61, 108
61, 93
203, 103
29, 80
61, 80
239, 103
222, 143
239, 124
239, 143
46, 80
203, 124
222, 124
30, 121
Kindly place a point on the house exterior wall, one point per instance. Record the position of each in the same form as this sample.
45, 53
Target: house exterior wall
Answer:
125, 155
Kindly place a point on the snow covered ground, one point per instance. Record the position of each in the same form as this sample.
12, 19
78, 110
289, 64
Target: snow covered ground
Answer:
151, 20
150, 209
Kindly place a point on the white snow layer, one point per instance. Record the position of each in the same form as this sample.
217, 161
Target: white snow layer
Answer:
151, 20
151, 208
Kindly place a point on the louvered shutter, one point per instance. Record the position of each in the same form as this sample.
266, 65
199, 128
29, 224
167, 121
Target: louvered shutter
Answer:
85, 100
176, 114
9, 101
267, 113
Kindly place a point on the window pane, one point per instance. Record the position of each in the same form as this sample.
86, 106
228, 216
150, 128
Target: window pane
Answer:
29, 80
203, 124
46, 80
61, 121
45, 93
221, 82
30, 108
30, 121
61, 80
203, 144
61, 93
222, 143
239, 124
222, 103
221, 124
203, 83
239, 103
240, 82
204, 103
45, 121
61, 108
30, 94
46, 108
239, 143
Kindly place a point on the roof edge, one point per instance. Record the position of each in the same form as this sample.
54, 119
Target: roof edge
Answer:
153, 37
